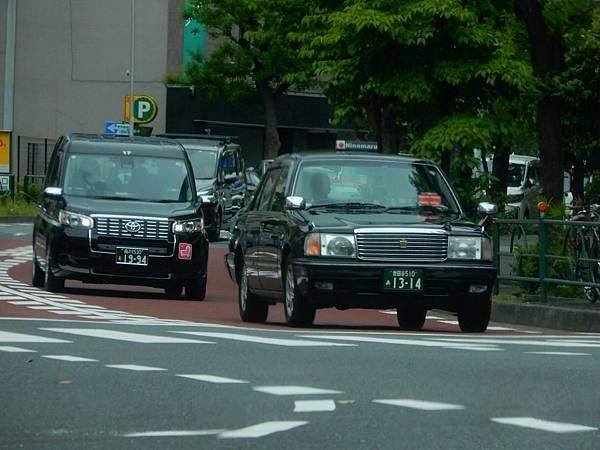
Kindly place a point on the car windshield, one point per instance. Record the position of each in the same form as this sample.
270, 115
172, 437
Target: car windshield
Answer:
371, 184
204, 163
127, 177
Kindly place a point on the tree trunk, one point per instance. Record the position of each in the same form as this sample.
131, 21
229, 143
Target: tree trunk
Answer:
272, 142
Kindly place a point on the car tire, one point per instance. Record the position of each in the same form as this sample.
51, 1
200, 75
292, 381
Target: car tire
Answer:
411, 317
196, 289
51, 282
298, 313
215, 233
252, 309
474, 314
37, 274
174, 291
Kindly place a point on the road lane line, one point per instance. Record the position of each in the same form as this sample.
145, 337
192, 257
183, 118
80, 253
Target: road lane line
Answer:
544, 425
558, 353
313, 405
264, 340
25, 302
135, 367
124, 336
294, 390
212, 379
531, 342
261, 429
174, 433
6, 336
419, 404
10, 349
69, 358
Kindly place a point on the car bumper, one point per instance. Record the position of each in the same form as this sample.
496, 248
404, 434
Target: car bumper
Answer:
76, 254
360, 284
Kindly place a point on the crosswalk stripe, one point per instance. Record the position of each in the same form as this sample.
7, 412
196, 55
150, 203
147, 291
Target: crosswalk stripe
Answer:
261, 429
10, 349
531, 342
69, 358
135, 367
419, 404
125, 336
294, 390
314, 405
544, 425
25, 302
6, 336
212, 379
265, 340
558, 353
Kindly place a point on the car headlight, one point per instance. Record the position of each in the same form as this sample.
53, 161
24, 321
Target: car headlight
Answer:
325, 244
207, 195
75, 220
469, 247
188, 226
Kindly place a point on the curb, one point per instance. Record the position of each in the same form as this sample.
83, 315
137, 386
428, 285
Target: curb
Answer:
545, 316
16, 219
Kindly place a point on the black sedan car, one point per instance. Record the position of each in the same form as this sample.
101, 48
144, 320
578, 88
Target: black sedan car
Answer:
360, 230
120, 210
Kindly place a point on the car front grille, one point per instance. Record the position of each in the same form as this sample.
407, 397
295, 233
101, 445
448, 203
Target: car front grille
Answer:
149, 228
410, 247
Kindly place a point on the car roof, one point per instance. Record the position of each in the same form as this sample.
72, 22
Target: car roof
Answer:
522, 158
93, 143
337, 155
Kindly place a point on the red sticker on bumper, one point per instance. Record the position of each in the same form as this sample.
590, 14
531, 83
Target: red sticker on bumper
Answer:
185, 251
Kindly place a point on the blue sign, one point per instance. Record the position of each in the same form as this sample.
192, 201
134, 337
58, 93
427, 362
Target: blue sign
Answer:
113, 128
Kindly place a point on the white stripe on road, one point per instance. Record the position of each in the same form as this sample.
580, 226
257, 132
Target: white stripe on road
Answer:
264, 340
134, 367
123, 336
212, 378
558, 353
69, 358
532, 342
261, 429
9, 297
25, 302
6, 336
544, 425
420, 404
174, 433
313, 405
294, 390
15, 350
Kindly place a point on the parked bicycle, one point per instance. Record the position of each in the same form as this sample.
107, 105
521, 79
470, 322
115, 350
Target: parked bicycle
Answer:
582, 248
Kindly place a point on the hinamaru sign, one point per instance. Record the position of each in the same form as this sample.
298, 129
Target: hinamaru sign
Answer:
364, 146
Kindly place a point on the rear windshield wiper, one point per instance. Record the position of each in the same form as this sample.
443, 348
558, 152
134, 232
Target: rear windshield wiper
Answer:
349, 205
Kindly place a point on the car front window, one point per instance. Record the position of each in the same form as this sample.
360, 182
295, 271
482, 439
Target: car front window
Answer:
204, 163
127, 177
516, 173
392, 185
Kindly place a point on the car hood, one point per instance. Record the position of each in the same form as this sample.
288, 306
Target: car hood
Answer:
345, 222
128, 208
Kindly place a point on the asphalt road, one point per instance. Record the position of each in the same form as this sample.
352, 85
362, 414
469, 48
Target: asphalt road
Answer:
107, 368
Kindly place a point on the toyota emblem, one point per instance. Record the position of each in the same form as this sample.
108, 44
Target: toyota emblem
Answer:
403, 243
132, 226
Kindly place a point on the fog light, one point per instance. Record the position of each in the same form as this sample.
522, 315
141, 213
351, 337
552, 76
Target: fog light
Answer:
477, 288
324, 285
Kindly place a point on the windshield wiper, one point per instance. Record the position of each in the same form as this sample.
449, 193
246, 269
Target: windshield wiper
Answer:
349, 205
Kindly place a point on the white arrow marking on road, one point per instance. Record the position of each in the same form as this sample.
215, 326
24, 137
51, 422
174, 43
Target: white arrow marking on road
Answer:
6, 336
294, 390
174, 433
313, 405
129, 337
261, 429
134, 367
69, 358
264, 340
544, 425
420, 404
212, 379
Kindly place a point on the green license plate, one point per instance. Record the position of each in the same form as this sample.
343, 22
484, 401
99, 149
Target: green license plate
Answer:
403, 280
132, 256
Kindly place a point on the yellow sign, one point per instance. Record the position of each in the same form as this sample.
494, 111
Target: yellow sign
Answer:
144, 109
5, 151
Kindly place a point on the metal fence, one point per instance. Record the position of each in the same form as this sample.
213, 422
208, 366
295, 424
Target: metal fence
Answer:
30, 159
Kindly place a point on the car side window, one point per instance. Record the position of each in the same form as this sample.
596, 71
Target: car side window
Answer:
52, 176
278, 201
229, 166
268, 188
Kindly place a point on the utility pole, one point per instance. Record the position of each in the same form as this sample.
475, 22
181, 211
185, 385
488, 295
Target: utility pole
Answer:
131, 64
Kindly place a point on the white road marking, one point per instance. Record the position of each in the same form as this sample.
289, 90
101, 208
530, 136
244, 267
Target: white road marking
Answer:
134, 367
393, 312
212, 379
558, 353
313, 405
420, 404
532, 342
6, 336
15, 350
25, 302
294, 390
264, 340
124, 336
9, 297
69, 358
544, 425
261, 429
45, 308
68, 313
174, 433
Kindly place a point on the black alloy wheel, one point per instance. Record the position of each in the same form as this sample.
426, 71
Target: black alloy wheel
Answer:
298, 313
251, 308
411, 317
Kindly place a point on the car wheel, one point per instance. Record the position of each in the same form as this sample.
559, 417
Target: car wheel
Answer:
37, 274
174, 291
297, 310
214, 234
474, 314
411, 317
196, 289
251, 308
51, 282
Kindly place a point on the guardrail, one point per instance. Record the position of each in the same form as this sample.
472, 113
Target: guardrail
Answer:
522, 249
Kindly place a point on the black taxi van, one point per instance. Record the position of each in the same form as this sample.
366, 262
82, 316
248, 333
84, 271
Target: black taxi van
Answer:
360, 230
120, 210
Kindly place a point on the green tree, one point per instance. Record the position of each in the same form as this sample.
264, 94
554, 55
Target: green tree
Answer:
253, 58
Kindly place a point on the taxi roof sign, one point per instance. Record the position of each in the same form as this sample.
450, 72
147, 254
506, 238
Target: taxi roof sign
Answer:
365, 146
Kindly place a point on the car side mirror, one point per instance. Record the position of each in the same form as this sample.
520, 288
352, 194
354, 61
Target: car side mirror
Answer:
486, 210
294, 203
53, 191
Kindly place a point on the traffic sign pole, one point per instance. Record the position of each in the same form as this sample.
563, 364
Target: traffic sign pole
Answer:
131, 64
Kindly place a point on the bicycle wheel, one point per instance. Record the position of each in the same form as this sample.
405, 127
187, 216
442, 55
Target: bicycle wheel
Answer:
590, 265
577, 248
